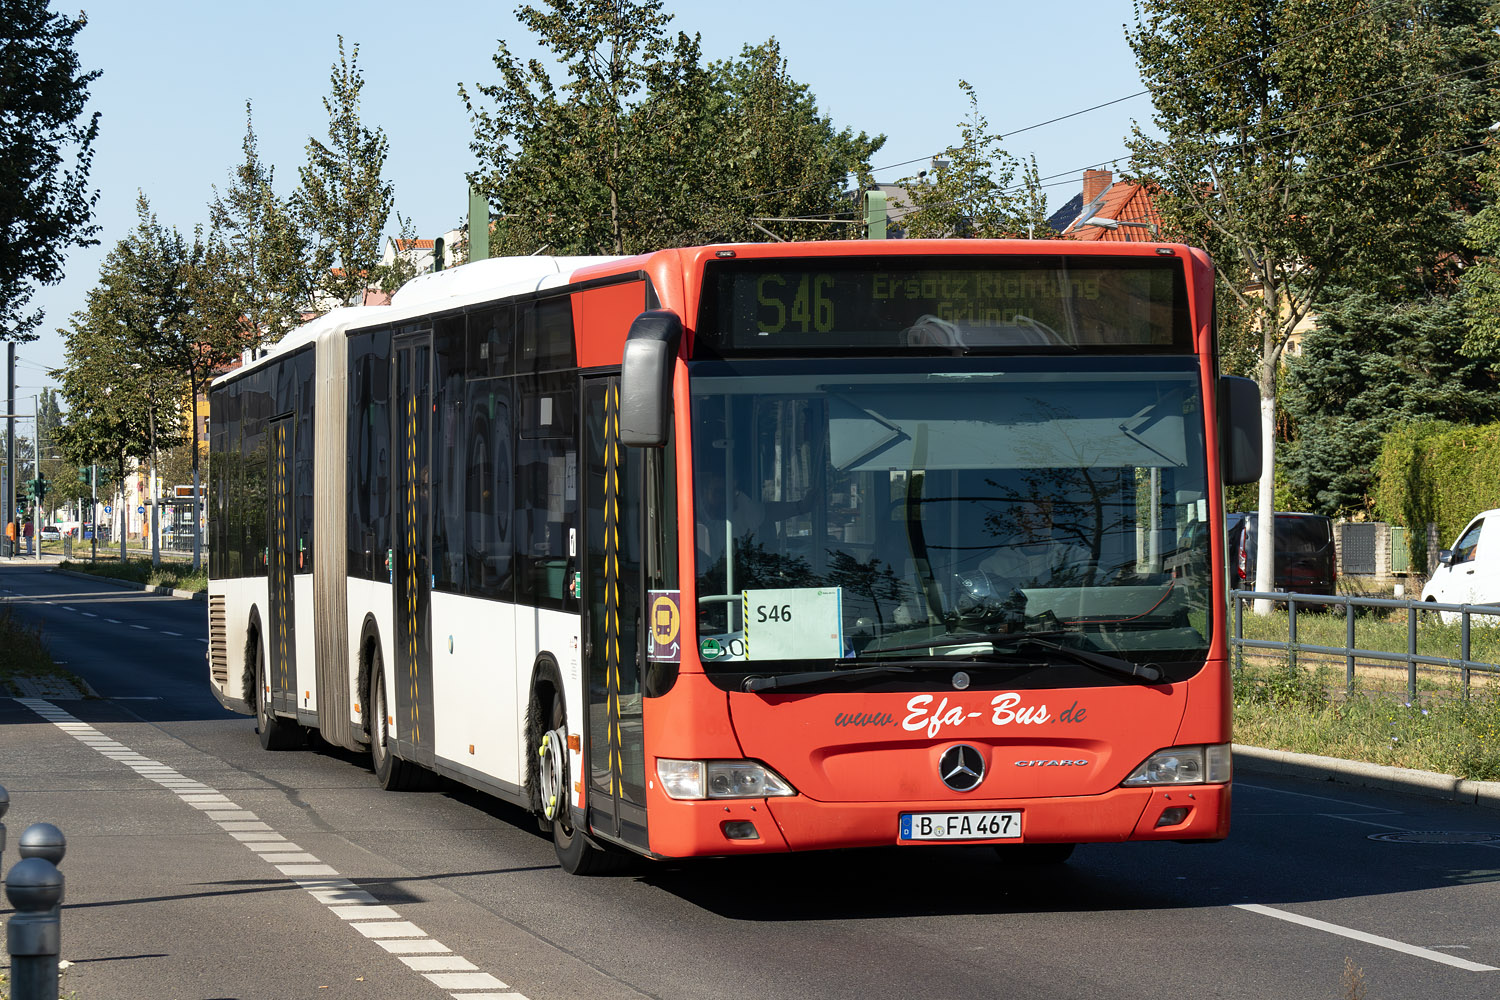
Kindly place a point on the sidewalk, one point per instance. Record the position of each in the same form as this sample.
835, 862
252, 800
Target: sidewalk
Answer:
1312, 767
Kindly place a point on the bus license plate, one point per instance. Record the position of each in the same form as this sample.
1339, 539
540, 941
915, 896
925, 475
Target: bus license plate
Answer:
961, 826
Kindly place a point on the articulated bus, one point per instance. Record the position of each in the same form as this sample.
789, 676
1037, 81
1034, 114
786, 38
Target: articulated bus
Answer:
752, 548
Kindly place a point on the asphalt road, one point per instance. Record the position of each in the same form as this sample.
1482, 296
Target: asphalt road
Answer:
187, 841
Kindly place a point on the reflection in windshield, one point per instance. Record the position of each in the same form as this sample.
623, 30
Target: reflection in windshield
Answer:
841, 513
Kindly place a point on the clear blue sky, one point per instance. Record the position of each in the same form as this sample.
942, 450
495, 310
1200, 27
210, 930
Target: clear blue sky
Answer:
177, 74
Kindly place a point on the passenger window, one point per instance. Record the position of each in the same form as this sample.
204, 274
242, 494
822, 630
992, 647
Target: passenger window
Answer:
448, 495
546, 491
491, 337
489, 497
547, 335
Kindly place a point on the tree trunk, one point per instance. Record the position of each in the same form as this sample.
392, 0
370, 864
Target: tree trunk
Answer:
1265, 551
154, 529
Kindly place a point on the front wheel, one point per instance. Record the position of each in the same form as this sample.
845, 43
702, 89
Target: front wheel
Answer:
576, 852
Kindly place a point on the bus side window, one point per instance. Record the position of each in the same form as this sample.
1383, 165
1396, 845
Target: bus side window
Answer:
547, 335
489, 496
546, 490
448, 494
491, 341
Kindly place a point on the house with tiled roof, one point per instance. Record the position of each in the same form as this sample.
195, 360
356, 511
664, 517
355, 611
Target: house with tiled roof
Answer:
1113, 211
1124, 212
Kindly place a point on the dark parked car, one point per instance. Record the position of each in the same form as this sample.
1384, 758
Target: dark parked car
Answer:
1305, 561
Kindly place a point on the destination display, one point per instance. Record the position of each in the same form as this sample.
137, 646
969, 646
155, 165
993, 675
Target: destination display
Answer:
883, 306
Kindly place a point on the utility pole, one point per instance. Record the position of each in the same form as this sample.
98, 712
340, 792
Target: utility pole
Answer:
10, 438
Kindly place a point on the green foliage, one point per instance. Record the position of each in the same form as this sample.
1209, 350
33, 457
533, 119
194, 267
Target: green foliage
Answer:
641, 147
1281, 154
1440, 732
46, 153
971, 192
1375, 362
773, 155
176, 576
265, 265
1438, 473
1284, 688
342, 203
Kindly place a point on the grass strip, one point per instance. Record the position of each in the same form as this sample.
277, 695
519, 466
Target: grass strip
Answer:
1293, 709
174, 575
23, 653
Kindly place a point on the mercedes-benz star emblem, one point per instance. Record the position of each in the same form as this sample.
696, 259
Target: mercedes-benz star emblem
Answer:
961, 767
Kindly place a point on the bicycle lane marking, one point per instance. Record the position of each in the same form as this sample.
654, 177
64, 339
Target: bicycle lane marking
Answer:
380, 923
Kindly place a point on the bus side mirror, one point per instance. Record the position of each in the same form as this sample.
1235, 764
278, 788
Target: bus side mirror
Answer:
646, 378
1239, 430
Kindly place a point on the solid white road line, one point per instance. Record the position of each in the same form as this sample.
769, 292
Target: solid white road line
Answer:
1375, 939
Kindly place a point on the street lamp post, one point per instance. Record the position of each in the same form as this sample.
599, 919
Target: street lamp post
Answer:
1114, 224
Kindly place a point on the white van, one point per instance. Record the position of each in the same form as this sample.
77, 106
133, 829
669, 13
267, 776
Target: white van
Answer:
1469, 573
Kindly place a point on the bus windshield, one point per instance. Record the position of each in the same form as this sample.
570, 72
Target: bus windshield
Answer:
860, 510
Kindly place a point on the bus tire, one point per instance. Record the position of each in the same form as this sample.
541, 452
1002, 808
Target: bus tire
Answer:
1034, 854
576, 851
391, 772
275, 733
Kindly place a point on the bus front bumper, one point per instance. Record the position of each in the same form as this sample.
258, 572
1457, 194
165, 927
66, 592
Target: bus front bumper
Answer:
797, 823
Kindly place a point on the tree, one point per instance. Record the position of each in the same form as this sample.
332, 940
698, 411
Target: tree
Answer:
560, 163
177, 309
110, 394
1310, 143
342, 202
265, 254
46, 153
642, 147
1374, 363
773, 155
971, 191
172, 323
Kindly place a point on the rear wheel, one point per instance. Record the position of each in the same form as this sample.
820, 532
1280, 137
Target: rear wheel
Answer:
576, 852
275, 733
392, 773
1034, 854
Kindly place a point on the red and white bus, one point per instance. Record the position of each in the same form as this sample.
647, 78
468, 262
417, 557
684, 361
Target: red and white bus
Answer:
753, 548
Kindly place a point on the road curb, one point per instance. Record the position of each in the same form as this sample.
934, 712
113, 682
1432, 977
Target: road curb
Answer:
1314, 767
191, 595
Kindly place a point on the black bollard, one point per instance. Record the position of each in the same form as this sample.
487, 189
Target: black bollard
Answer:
34, 933
4, 808
43, 840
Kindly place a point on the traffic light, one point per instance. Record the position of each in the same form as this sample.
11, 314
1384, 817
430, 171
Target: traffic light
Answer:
37, 488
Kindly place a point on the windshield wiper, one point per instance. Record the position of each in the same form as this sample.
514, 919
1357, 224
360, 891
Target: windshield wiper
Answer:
762, 682
1148, 673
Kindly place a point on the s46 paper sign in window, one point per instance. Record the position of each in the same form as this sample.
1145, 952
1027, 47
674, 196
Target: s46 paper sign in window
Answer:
794, 623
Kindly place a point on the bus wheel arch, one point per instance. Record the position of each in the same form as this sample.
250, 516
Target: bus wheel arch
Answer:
368, 655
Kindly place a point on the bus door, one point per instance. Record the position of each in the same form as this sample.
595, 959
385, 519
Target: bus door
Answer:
281, 565
614, 756
411, 698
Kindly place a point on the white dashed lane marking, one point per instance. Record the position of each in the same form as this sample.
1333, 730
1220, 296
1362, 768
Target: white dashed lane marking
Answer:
380, 923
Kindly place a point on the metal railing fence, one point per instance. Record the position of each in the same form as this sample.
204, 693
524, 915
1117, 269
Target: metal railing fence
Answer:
1354, 655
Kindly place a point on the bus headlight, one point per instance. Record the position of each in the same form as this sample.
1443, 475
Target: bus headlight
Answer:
1183, 766
720, 779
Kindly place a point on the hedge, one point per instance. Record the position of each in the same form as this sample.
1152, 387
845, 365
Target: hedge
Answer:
1437, 473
